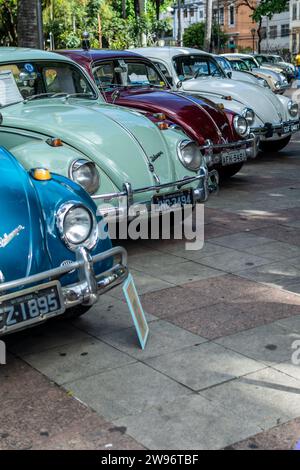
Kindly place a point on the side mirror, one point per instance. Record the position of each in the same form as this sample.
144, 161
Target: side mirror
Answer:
179, 84
229, 74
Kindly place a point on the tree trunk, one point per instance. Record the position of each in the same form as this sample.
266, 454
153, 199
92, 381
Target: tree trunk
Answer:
259, 36
124, 9
208, 26
27, 24
157, 9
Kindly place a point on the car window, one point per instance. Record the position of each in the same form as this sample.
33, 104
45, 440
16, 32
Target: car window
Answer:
196, 66
250, 62
39, 78
143, 74
104, 74
224, 63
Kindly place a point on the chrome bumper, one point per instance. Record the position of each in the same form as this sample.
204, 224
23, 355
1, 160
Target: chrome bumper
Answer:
283, 128
85, 292
250, 145
123, 201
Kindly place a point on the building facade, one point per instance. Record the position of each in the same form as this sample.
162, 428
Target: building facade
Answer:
191, 12
294, 26
276, 32
235, 20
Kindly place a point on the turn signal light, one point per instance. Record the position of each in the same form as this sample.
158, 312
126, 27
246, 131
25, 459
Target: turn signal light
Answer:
160, 116
42, 174
220, 105
54, 142
162, 125
228, 98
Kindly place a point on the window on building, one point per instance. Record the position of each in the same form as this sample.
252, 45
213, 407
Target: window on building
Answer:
285, 30
263, 32
221, 15
192, 12
294, 11
185, 13
231, 15
201, 14
273, 32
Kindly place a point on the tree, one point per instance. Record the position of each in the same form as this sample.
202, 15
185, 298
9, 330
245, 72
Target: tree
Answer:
27, 24
260, 10
8, 22
194, 36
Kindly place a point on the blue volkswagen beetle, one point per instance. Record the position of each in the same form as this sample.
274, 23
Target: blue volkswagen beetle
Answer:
52, 258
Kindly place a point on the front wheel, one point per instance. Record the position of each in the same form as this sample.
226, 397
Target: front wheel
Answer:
226, 172
274, 145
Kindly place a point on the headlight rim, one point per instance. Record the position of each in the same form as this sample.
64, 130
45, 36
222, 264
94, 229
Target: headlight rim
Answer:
91, 240
292, 103
82, 162
247, 132
180, 147
245, 111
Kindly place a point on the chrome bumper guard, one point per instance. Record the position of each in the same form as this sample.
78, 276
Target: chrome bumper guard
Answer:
85, 292
269, 129
208, 182
250, 145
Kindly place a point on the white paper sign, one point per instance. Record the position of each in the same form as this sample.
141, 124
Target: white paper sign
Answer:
9, 91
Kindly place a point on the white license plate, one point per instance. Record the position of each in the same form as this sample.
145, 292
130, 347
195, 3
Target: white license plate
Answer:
290, 128
236, 156
28, 304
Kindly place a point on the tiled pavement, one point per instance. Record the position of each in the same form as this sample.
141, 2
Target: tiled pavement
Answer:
217, 371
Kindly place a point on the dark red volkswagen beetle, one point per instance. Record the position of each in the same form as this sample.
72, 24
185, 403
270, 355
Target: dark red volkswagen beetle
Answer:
128, 79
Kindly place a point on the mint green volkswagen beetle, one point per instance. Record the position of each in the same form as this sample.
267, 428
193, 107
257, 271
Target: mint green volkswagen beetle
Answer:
54, 117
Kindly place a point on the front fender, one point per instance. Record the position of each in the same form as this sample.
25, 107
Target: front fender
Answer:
37, 153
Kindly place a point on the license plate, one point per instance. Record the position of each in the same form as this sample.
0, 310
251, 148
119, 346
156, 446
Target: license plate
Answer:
290, 128
237, 156
28, 304
178, 198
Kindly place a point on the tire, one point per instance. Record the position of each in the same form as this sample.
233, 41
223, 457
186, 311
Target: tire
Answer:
274, 145
226, 172
75, 312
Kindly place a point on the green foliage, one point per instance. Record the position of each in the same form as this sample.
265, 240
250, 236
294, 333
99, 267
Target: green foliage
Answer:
269, 8
68, 19
8, 22
193, 36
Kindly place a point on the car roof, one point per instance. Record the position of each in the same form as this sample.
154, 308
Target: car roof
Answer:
237, 54
95, 54
10, 54
169, 52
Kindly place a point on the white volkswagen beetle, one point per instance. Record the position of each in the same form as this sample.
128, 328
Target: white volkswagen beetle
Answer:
272, 117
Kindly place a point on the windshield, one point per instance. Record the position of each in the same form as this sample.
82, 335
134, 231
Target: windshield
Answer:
197, 66
239, 65
128, 73
49, 78
225, 64
250, 62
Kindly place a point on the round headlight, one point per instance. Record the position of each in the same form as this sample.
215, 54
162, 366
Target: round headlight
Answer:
249, 115
77, 225
293, 108
189, 154
277, 85
241, 126
86, 175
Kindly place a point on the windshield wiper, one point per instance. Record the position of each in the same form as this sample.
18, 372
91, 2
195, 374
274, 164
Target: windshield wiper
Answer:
74, 95
34, 97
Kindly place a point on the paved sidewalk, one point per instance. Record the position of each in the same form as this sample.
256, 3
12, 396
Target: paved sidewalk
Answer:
217, 371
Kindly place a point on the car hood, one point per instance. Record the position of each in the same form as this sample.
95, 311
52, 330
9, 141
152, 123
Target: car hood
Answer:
244, 76
200, 118
264, 102
119, 141
20, 213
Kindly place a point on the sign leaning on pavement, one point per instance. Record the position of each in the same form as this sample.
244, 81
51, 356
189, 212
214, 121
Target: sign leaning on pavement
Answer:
136, 310
2, 353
